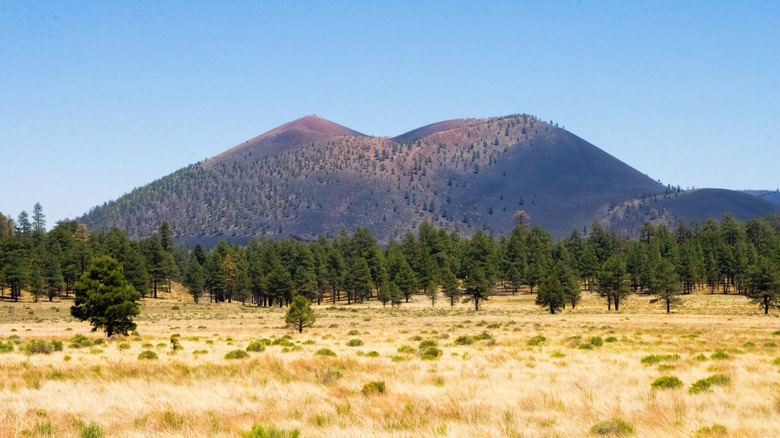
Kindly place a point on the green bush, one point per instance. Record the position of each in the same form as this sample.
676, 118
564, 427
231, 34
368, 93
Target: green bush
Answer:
705, 384
585, 347
536, 340
426, 344
372, 388
655, 358
716, 430
596, 341
614, 427
406, 349
91, 430
6, 347
611, 339
124, 346
464, 340
355, 342
325, 352
237, 354
353, 333
667, 382
430, 353
259, 431
79, 341
372, 354
147, 354
256, 346
719, 355
38, 346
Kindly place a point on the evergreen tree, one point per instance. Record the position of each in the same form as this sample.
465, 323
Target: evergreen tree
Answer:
551, 294
105, 298
300, 314
666, 284
763, 285
406, 280
451, 288
613, 281
477, 286
193, 279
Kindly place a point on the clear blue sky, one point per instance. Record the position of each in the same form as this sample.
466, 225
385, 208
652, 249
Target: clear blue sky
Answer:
97, 98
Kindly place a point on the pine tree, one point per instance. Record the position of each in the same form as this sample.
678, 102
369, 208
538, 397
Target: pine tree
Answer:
300, 314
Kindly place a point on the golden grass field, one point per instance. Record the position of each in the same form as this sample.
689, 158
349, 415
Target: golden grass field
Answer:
498, 386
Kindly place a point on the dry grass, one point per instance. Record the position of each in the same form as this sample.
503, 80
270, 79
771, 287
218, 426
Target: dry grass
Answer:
500, 386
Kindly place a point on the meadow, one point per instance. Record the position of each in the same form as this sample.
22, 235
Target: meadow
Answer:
511, 369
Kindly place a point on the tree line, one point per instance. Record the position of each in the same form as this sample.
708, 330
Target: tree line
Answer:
726, 256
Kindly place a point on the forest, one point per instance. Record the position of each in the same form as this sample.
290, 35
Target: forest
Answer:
726, 256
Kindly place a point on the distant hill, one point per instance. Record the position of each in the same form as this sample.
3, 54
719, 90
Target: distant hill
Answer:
313, 177
772, 196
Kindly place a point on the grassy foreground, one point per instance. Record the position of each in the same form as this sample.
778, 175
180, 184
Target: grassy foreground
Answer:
710, 369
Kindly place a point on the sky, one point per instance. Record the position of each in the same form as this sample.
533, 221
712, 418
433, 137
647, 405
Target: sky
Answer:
97, 98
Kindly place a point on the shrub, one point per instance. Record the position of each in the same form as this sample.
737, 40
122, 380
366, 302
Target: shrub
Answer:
372, 388
147, 354
464, 340
667, 382
655, 358
719, 355
536, 340
716, 430
37, 346
256, 346
585, 347
596, 341
91, 430
124, 346
259, 431
615, 427
325, 352
557, 354
78, 341
355, 342
406, 349
6, 347
237, 354
372, 354
611, 339
426, 344
705, 384
353, 333
430, 353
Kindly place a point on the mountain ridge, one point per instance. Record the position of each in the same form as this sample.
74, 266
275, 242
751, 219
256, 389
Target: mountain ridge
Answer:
313, 177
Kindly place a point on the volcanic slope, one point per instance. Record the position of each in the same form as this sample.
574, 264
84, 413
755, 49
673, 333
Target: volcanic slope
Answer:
313, 177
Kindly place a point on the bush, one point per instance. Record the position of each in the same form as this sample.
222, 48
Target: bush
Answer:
585, 347
705, 384
237, 354
372, 354
536, 340
611, 339
353, 333
124, 346
430, 353
655, 358
354, 343
78, 341
91, 430
667, 382
325, 352
426, 344
147, 354
719, 355
256, 346
372, 388
464, 340
271, 432
406, 349
38, 346
615, 427
6, 347
596, 341
716, 430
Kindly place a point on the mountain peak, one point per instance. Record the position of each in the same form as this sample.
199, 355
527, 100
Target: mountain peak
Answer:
314, 124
